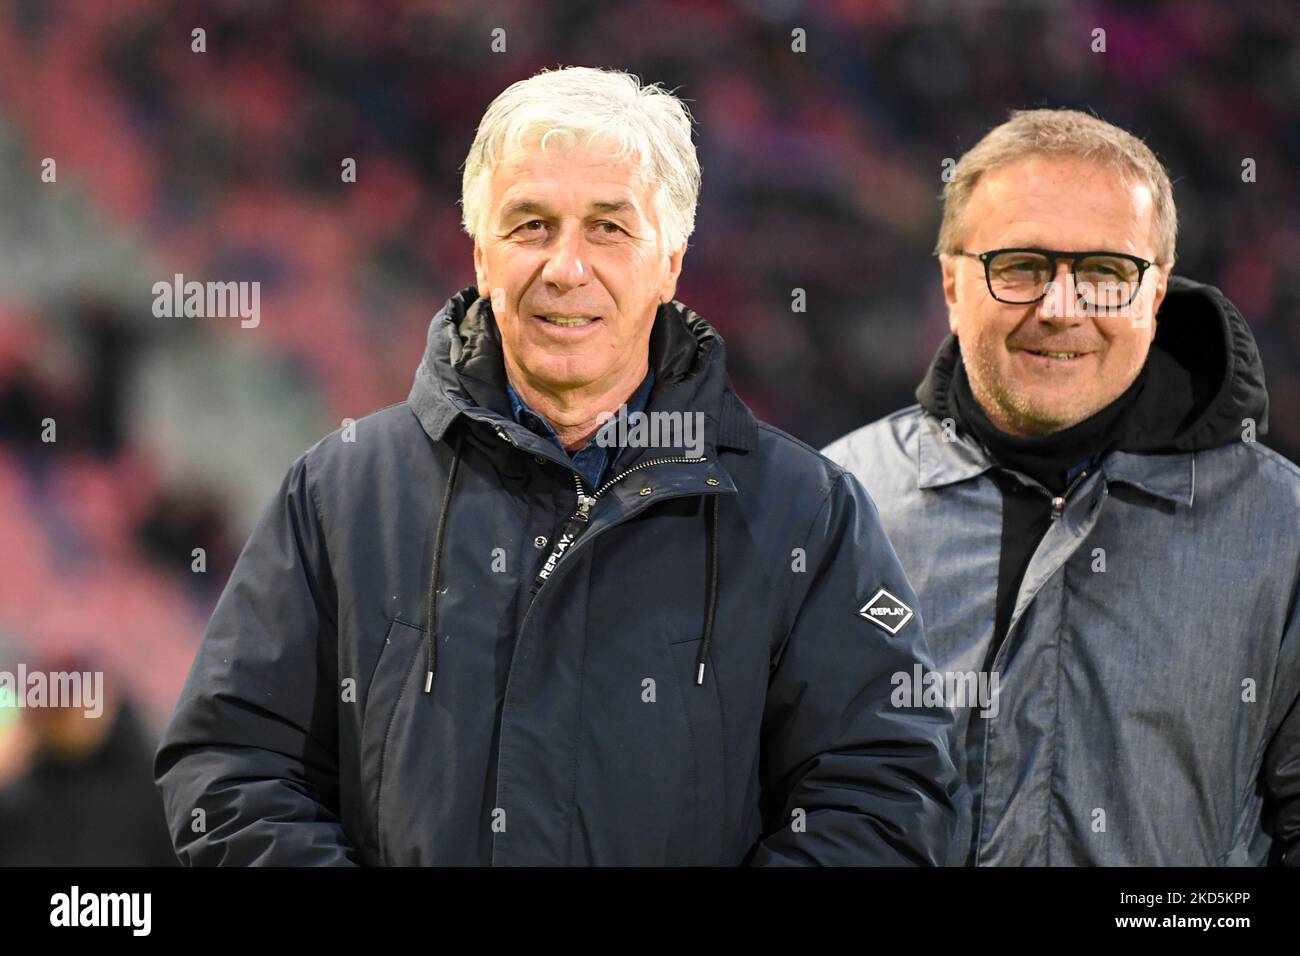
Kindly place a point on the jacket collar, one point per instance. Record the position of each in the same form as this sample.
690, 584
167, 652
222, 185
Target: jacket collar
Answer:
944, 461
462, 373
1170, 477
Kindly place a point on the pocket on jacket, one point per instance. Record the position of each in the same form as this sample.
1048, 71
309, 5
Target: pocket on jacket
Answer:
393, 678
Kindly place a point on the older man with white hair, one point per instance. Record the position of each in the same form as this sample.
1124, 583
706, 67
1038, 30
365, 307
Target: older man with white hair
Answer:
1083, 505
500, 626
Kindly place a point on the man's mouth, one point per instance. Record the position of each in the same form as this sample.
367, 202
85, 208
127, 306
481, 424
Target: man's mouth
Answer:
1052, 354
569, 321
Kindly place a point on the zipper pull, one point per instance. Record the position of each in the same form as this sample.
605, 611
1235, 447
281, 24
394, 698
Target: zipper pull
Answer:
1058, 501
569, 532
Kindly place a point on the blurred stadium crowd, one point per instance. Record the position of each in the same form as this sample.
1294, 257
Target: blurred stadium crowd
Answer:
821, 172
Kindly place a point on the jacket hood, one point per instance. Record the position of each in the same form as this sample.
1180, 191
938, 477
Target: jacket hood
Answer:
1203, 376
463, 372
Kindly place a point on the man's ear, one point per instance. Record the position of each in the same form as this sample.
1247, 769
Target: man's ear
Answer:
480, 271
668, 290
1158, 296
948, 266
1162, 287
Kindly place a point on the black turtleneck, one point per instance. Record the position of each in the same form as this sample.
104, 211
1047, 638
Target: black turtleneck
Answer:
1052, 460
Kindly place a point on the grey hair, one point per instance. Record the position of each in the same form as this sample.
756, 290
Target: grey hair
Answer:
1061, 133
574, 105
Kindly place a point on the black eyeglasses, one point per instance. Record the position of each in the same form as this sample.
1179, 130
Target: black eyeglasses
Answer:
1104, 280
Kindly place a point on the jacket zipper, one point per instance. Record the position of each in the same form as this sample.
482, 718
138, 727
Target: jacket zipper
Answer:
578, 522
585, 503
1058, 508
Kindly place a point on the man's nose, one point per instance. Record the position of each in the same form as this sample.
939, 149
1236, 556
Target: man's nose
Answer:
565, 268
1061, 303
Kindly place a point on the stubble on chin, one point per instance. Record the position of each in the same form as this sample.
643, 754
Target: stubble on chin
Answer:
1012, 409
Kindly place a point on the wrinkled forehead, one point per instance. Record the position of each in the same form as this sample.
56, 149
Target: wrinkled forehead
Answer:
1062, 203
568, 164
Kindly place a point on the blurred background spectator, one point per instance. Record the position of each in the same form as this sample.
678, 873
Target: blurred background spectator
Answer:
76, 785
822, 172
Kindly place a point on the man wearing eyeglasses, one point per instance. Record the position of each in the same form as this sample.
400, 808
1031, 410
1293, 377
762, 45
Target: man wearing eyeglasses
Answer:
1092, 527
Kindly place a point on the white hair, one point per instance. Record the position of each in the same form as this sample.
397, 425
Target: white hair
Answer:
576, 105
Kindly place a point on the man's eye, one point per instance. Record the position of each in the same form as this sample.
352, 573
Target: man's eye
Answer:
609, 228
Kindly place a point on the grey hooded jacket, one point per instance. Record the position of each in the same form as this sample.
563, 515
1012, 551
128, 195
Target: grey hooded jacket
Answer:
440, 647
1147, 686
